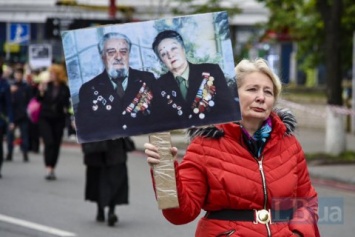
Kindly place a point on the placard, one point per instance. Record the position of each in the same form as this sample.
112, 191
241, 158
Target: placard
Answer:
124, 78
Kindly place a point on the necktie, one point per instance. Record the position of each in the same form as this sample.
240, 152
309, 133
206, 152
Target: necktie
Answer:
119, 88
182, 84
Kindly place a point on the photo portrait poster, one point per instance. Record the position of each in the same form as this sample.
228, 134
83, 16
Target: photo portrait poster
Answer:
153, 76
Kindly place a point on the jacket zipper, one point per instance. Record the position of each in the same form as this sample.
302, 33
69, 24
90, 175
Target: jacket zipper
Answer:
261, 169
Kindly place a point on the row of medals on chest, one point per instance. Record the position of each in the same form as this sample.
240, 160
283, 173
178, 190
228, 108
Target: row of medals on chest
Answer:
140, 102
203, 101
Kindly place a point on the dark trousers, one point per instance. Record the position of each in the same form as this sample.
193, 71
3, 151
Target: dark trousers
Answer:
33, 134
51, 130
23, 126
3, 131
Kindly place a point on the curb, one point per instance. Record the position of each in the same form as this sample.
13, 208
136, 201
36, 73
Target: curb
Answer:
316, 178
333, 183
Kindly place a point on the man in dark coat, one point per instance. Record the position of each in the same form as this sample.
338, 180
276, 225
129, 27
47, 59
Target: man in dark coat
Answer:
6, 115
21, 95
119, 101
192, 94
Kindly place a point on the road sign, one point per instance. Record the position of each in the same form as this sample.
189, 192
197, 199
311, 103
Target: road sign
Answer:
11, 47
40, 55
19, 33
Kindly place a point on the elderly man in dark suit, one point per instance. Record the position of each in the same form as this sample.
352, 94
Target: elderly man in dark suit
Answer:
117, 102
192, 94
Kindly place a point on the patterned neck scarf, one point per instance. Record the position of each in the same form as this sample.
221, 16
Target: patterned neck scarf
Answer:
256, 143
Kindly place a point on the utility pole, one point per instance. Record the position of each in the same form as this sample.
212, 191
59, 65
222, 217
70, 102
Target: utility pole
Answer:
353, 89
112, 9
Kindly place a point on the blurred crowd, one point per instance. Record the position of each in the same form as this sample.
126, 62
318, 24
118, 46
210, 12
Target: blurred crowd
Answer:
19, 85
24, 90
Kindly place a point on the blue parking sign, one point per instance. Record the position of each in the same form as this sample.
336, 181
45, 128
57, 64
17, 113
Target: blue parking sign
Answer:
19, 33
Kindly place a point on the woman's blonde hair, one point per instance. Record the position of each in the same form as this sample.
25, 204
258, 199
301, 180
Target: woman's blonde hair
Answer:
60, 72
246, 67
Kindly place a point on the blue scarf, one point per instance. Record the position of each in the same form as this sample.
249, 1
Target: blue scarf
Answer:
256, 143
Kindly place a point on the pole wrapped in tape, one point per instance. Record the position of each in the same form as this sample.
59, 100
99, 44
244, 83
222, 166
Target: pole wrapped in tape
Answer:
164, 172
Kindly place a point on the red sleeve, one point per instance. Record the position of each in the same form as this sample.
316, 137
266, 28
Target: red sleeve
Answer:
305, 217
191, 187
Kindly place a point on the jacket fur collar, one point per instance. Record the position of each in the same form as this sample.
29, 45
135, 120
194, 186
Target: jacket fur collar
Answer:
288, 120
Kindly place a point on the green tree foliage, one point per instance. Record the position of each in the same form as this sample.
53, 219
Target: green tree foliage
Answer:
323, 30
190, 7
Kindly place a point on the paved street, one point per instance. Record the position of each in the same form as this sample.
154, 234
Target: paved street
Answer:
58, 209
26, 195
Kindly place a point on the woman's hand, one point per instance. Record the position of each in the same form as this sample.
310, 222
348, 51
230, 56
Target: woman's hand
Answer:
153, 156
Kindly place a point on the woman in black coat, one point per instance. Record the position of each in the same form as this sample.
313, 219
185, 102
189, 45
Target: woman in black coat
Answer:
106, 176
54, 96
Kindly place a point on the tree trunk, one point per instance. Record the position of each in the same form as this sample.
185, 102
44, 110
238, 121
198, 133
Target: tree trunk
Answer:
331, 12
335, 137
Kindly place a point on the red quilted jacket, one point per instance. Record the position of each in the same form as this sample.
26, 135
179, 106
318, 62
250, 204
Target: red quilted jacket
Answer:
218, 172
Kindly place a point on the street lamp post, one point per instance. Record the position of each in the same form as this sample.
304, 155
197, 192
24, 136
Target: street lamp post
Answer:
353, 89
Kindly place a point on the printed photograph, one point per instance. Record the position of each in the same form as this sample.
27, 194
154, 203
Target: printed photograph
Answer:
153, 76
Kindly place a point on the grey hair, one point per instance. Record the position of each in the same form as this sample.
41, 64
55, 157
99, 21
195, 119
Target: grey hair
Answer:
246, 67
112, 35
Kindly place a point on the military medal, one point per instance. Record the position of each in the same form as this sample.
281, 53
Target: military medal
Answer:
140, 103
171, 102
204, 96
100, 100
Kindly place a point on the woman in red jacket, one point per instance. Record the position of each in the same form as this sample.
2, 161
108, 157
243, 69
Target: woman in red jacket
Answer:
249, 176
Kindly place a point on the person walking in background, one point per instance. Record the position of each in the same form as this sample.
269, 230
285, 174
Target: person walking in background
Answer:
71, 132
54, 97
8, 73
6, 116
250, 176
33, 130
106, 177
192, 93
21, 95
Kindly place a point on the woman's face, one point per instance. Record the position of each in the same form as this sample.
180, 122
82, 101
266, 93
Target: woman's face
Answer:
173, 55
256, 94
53, 76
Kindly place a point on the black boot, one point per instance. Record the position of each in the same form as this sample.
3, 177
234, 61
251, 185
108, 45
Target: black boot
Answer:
100, 217
25, 157
9, 156
112, 218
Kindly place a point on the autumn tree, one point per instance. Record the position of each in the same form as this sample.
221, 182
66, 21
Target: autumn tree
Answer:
323, 32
